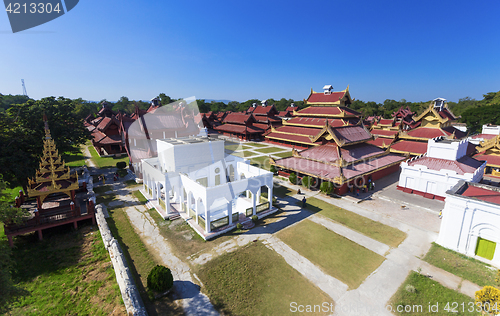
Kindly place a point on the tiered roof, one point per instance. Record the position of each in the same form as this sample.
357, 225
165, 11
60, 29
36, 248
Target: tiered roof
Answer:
489, 150
53, 176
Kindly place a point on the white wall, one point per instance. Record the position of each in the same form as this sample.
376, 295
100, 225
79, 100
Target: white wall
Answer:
464, 220
420, 178
444, 149
492, 129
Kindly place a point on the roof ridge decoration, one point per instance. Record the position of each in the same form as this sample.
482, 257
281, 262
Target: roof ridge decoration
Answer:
488, 144
433, 110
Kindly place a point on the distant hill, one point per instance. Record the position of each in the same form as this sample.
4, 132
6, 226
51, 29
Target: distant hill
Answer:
212, 100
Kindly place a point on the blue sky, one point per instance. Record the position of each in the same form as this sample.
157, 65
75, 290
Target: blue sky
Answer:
238, 50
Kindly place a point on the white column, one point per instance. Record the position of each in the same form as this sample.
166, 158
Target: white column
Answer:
188, 202
196, 210
248, 193
153, 189
167, 201
254, 198
230, 211
207, 220
258, 195
270, 196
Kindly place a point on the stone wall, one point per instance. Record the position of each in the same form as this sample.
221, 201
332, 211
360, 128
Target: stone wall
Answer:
130, 293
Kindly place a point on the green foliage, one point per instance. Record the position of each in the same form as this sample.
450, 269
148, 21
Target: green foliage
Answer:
326, 187
239, 226
255, 218
488, 299
121, 165
273, 169
293, 178
307, 182
122, 172
160, 279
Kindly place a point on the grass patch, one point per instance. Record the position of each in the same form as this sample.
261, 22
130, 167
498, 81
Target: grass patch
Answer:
74, 159
132, 183
243, 153
284, 155
334, 253
460, 265
428, 292
106, 162
236, 147
67, 271
261, 162
385, 234
268, 150
140, 197
2, 232
102, 196
256, 144
244, 283
140, 262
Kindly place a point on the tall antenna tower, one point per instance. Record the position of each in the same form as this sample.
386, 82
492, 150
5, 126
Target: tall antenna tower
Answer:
24, 88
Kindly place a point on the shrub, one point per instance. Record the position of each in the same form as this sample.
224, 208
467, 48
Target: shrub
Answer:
239, 226
326, 187
306, 182
160, 279
410, 288
121, 165
255, 218
273, 169
488, 299
293, 178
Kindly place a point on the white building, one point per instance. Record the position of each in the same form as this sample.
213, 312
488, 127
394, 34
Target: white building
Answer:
489, 131
471, 221
436, 171
195, 177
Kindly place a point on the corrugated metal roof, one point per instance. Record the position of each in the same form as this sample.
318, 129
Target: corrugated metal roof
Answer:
327, 98
409, 146
351, 134
359, 151
482, 194
461, 166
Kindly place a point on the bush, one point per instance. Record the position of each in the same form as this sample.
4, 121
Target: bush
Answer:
239, 226
488, 299
293, 178
326, 187
121, 165
255, 218
160, 279
306, 182
273, 169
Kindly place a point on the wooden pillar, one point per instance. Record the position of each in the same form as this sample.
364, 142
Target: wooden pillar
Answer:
75, 224
40, 236
73, 195
38, 202
11, 242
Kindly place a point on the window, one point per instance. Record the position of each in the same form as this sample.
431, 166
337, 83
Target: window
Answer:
217, 179
203, 181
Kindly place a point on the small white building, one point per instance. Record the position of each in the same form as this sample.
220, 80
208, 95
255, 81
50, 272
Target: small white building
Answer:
436, 171
195, 177
471, 221
489, 131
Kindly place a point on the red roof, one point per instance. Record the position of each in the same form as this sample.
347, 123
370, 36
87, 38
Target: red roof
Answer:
382, 132
241, 129
482, 194
321, 110
385, 122
298, 130
291, 138
461, 166
351, 134
359, 151
102, 138
490, 159
315, 121
445, 113
354, 170
316, 168
409, 146
237, 118
429, 132
265, 110
381, 142
484, 136
327, 153
320, 97
261, 126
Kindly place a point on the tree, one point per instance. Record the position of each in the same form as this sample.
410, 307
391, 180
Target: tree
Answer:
14, 215
160, 279
488, 299
326, 187
22, 134
306, 182
293, 178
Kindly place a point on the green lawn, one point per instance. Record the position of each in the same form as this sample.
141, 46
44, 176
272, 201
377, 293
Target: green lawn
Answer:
284, 155
460, 265
236, 147
256, 144
282, 191
385, 234
254, 280
67, 271
268, 150
261, 162
140, 197
74, 159
102, 196
334, 253
140, 262
106, 162
245, 153
418, 292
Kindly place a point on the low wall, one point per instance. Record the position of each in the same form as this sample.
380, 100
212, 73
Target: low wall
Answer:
130, 293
